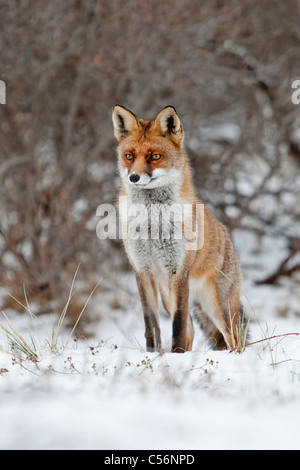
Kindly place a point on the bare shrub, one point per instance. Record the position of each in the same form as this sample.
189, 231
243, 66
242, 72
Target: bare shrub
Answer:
226, 66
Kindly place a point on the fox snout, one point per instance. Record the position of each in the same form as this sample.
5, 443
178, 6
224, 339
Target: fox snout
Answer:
134, 178
140, 179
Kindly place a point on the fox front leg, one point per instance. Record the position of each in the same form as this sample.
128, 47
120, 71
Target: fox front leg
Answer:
149, 298
183, 331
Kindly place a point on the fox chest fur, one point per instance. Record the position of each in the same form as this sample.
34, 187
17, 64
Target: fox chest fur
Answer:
154, 240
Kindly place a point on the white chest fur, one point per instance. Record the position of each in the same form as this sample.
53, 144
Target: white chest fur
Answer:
152, 220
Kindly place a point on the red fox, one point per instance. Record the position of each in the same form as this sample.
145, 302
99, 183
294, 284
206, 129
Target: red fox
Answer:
155, 170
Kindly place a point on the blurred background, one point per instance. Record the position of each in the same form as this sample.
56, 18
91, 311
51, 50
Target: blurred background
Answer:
226, 66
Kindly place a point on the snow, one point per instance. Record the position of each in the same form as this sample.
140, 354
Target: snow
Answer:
227, 132
107, 392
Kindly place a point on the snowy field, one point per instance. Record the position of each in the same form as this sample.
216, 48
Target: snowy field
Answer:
107, 392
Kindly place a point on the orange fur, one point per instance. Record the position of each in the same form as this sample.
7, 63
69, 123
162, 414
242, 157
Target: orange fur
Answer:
154, 167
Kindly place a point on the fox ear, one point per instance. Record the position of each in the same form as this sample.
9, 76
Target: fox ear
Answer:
124, 121
168, 124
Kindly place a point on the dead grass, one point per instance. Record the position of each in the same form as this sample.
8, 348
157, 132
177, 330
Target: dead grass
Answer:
30, 349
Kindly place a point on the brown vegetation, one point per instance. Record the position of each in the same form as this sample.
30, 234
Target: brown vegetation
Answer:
65, 64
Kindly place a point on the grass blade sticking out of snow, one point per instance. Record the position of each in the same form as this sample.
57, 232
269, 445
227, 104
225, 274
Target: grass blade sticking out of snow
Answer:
239, 336
83, 309
243, 326
242, 332
63, 314
18, 342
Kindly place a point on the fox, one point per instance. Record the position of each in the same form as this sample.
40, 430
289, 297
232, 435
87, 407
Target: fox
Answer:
205, 279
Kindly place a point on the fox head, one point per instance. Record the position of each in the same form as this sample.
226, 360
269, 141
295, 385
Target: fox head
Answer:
151, 153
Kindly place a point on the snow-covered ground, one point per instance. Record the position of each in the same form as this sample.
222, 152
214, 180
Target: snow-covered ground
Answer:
107, 392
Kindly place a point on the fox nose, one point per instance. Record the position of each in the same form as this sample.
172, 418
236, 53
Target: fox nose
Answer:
134, 178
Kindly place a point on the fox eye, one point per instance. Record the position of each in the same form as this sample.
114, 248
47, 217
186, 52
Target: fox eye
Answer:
156, 156
128, 156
